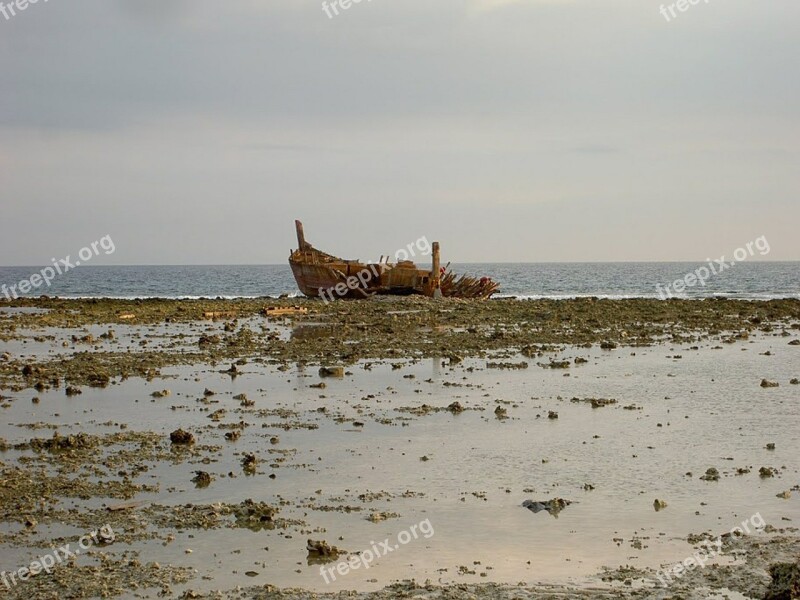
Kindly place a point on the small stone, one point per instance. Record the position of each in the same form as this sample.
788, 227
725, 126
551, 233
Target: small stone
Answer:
331, 372
202, 479
455, 408
765, 472
181, 437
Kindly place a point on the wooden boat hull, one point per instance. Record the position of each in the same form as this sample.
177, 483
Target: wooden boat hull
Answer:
359, 280
322, 275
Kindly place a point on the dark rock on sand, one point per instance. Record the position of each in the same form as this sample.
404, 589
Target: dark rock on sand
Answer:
202, 479
554, 506
249, 462
455, 408
785, 583
181, 437
321, 548
765, 472
331, 371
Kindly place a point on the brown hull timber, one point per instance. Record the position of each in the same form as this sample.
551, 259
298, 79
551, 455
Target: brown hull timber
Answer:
319, 274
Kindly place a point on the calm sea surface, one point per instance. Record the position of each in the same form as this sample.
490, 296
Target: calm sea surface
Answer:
757, 280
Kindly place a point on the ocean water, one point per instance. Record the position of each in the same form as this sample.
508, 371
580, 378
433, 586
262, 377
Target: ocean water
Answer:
754, 280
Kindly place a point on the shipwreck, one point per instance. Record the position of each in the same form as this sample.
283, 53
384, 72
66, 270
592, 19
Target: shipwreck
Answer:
322, 275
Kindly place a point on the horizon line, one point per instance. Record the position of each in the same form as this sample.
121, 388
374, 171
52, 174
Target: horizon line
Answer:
546, 262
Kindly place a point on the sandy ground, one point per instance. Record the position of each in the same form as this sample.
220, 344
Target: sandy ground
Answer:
92, 389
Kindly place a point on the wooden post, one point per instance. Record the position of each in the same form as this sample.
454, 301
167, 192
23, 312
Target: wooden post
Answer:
301, 238
435, 279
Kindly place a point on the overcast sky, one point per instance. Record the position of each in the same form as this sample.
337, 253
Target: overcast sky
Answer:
196, 131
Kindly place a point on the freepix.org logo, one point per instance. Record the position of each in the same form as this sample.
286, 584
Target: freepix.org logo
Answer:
60, 267
12, 9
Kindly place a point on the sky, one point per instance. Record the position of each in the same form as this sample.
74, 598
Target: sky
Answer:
196, 131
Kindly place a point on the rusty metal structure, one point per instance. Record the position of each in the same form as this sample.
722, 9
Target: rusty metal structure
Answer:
322, 275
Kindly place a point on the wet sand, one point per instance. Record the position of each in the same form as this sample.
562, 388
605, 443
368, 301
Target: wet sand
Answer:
449, 412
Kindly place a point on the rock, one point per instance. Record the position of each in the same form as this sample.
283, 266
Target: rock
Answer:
659, 504
795, 381
234, 435
99, 379
181, 437
69, 442
711, 475
321, 548
595, 402
552, 414
249, 462
161, 394
274, 440
785, 584
608, 345
553, 506
255, 515
557, 364
217, 414
794, 343
770, 446
202, 479
455, 408
72, 391
784, 495
500, 412
769, 384
208, 340
507, 365
331, 372
207, 392
765, 472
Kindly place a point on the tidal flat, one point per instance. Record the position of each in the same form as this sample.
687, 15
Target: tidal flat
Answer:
221, 439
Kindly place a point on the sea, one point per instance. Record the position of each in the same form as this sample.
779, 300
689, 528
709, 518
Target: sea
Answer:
747, 280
